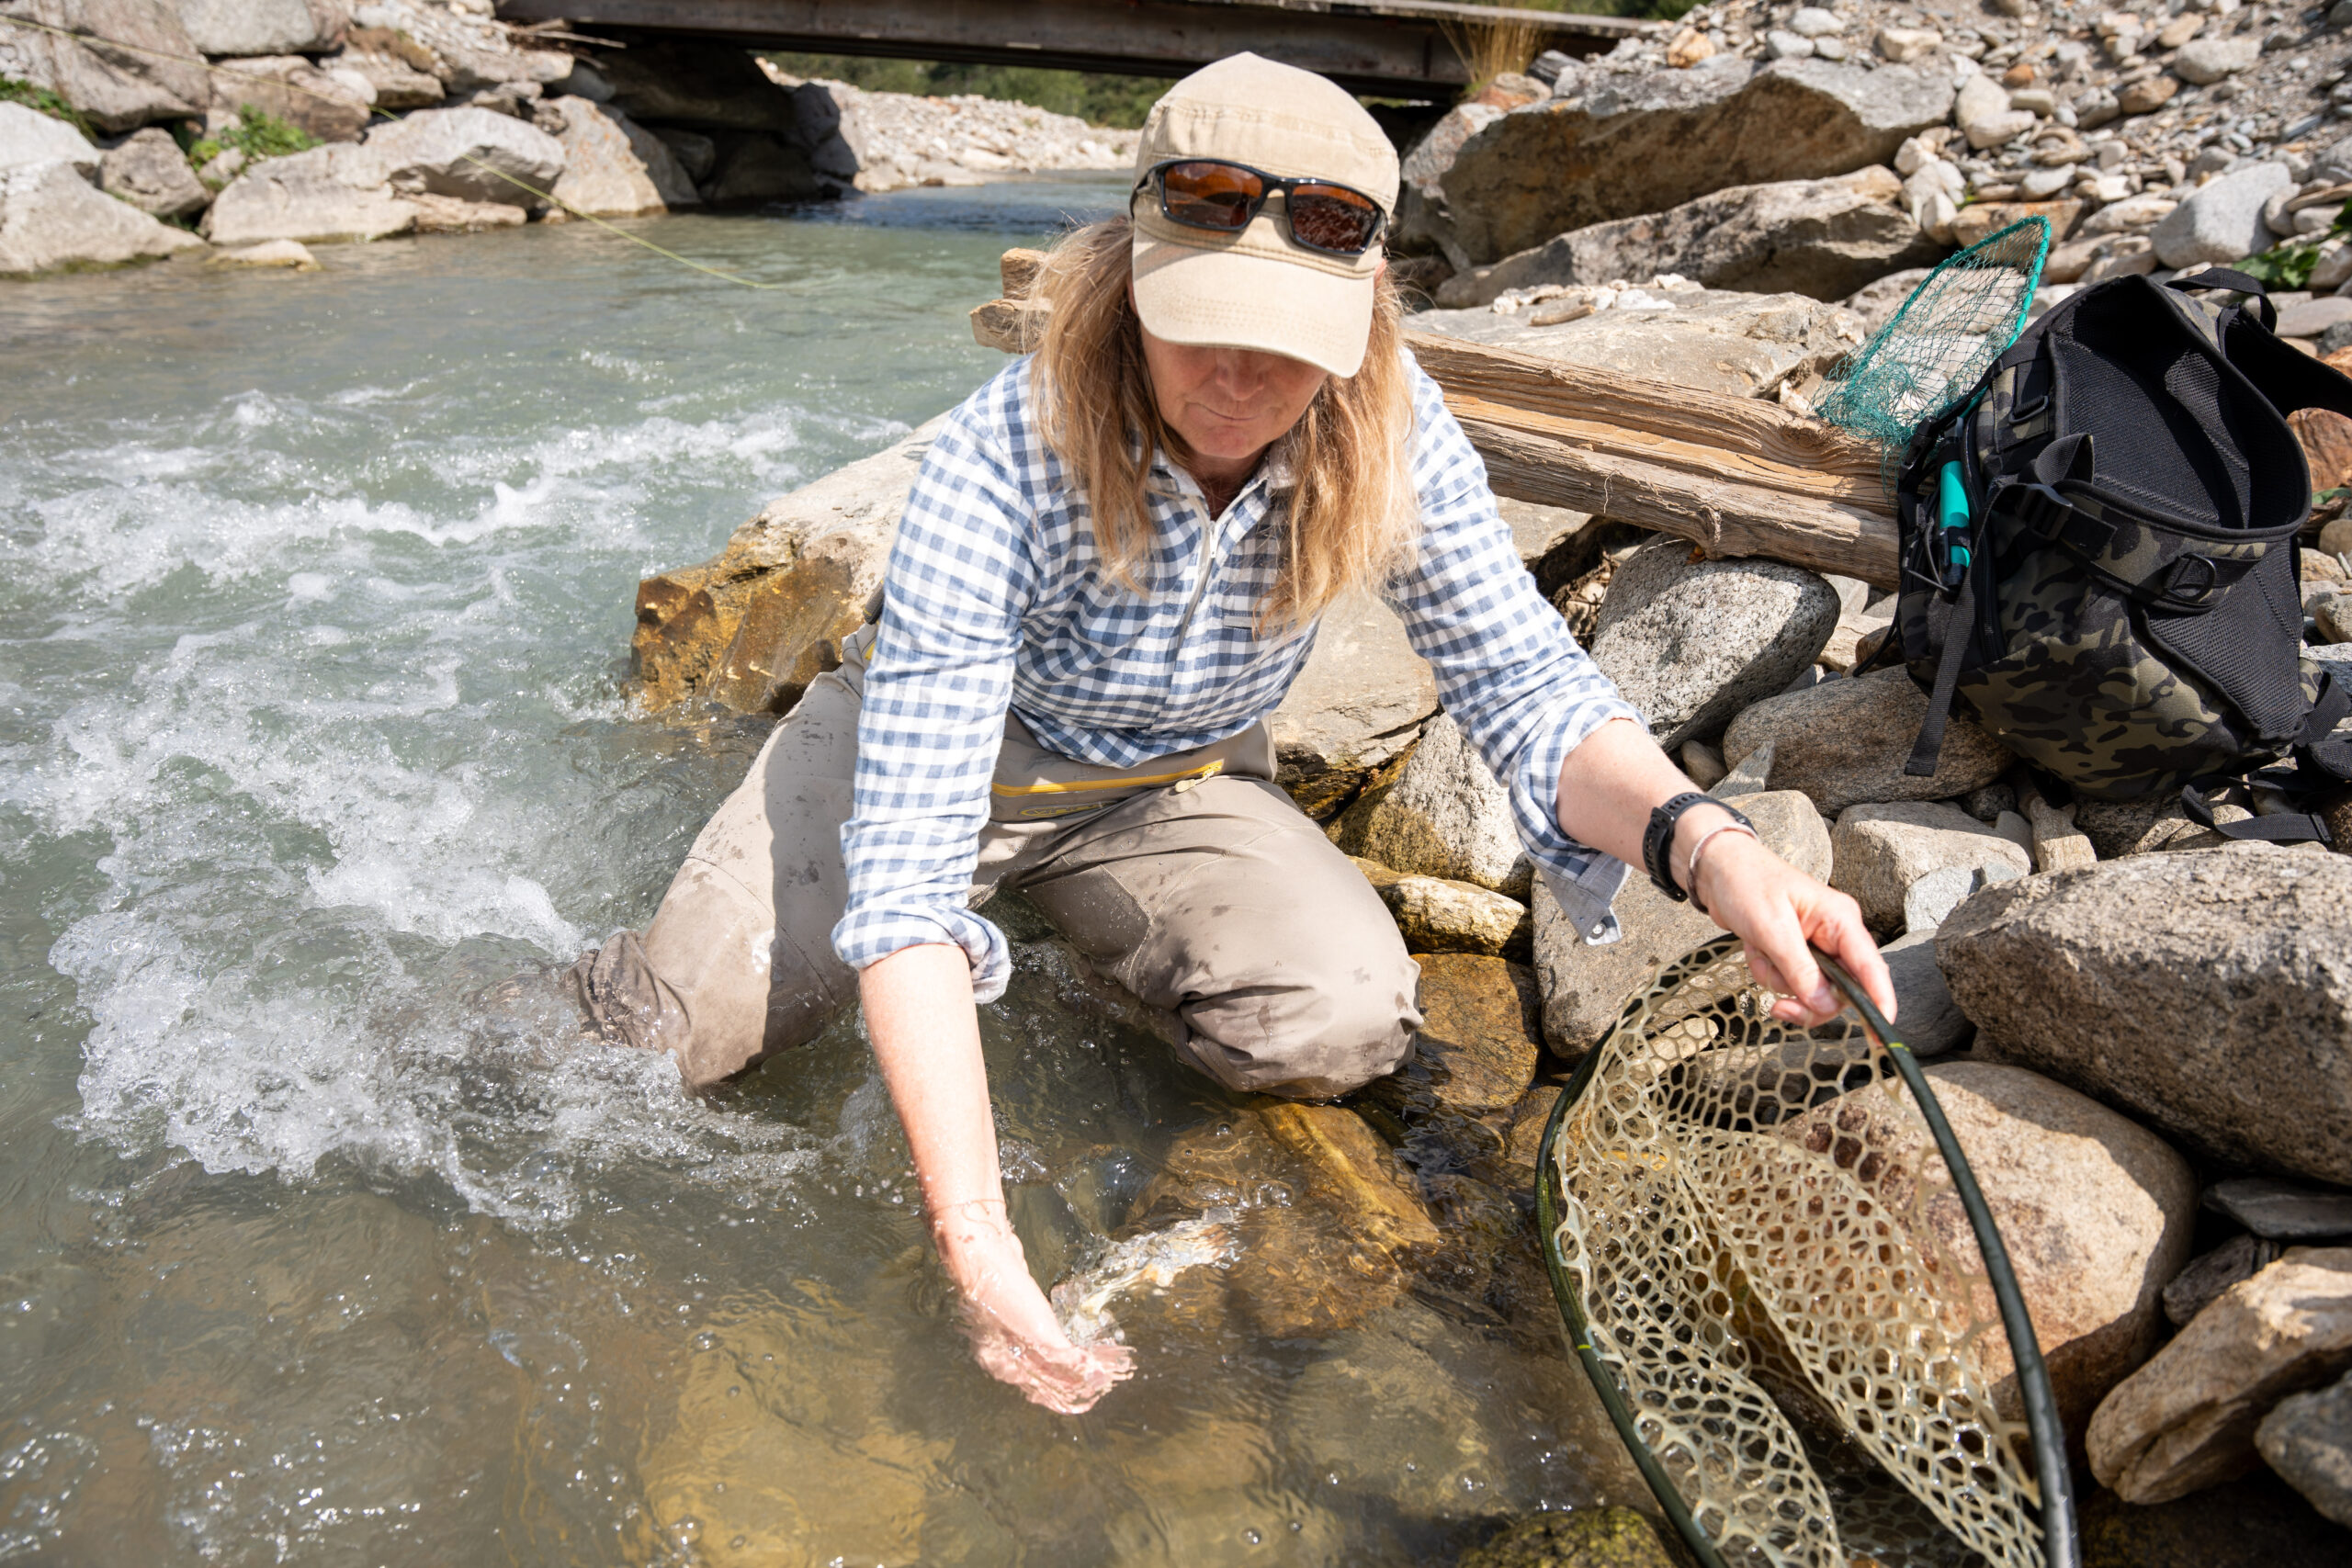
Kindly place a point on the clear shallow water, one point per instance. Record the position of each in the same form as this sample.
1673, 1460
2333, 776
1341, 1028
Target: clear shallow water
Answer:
314, 603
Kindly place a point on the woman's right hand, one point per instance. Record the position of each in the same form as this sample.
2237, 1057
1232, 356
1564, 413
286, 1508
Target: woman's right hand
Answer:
1016, 1336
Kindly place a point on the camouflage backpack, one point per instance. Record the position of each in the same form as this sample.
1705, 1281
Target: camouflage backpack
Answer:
2099, 555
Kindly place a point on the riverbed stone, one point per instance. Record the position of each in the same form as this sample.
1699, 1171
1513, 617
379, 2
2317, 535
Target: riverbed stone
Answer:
1691, 643
1844, 744
291, 255
52, 219
337, 192
611, 165
2095, 1211
2206, 992
2205, 61
2283, 1211
1605, 1536
1882, 849
2307, 1439
295, 90
28, 136
1481, 1034
1359, 703
1584, 987
750, 627
259, 27
148, 171
156, 76
1446, 816
474, 154
2222, 221
2188, 1418
1825, 238
399, 81
1631, 144
1929, 1021
1434, 914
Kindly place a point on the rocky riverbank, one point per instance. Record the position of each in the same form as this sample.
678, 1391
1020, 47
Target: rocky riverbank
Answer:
2141, 1029
265, 127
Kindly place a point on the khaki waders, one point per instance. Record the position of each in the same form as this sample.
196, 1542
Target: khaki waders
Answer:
1201, 888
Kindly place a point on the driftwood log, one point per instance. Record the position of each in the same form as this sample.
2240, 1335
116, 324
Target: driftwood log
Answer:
1735, 476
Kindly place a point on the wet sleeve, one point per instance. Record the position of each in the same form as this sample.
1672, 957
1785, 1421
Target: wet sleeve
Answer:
936, 689
1508, 669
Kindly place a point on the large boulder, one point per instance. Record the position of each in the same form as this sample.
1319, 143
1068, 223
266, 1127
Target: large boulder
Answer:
1844, 742
259, 26
147, 69
756, 169
611, 163
2095, 1212
2207, 992
473, 154
750, 627
2222, 221
2307, 1440
397, 71
2188, 1418
28, 136
1445, 815
1740, 344
1585, 987
330, 108
148, 171
1359, 702
1883, 850
337, 192
1691, 643
1628, 145
53, 220
713, 86
1825, 238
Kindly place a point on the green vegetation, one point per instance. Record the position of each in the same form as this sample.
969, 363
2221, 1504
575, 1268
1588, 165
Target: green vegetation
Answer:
2288, 265
13, 91
1096, 98
258, 134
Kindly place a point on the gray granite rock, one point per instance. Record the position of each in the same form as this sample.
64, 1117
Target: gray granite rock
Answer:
2221, 222
157, 74
1882, 849
28, 136
150, 173
1630, 144
257, 27
2307, 1440
611, 163
52, 219
337, 192
2206, 61
1845, 741
474, 154
1361, 699
1691, 643
2207, 992
1446, 816
1927, 1018
2282, 1211
1933, 896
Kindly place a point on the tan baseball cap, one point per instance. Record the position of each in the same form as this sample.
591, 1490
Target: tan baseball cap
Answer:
1257, 289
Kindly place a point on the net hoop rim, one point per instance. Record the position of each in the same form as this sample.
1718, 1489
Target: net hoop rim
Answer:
2060, 1549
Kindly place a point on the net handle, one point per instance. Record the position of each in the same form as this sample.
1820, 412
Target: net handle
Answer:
2060, 1548
1603, 1381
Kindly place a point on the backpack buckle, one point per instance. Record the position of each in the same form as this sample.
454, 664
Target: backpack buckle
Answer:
2039, 506
2178, 592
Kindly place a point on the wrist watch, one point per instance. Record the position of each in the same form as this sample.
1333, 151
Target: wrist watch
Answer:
1657, 841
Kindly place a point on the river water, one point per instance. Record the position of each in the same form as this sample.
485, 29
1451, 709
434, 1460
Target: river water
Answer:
314, 607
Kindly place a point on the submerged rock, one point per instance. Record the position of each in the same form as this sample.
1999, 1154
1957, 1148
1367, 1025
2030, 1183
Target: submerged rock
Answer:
1629, 145
2188, 1418
2257, 1522
1844, 744
2207, 992
1691, 643
1579, 1537
1479, 1040
52, 219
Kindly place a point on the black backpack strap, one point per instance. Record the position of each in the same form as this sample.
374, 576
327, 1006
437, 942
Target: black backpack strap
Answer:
2320, 752
1957, 631
2288, 376
2283, 828
2235, 282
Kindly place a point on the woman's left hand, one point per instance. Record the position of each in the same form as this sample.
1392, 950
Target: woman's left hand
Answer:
1776, 910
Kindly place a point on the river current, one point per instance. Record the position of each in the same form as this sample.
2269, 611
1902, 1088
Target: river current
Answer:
318, 1245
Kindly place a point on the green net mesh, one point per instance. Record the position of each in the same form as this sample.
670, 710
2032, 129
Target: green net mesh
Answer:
1946, 335
1767, 1254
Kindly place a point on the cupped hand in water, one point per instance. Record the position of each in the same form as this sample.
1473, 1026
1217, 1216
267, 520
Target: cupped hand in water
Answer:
1016, 1336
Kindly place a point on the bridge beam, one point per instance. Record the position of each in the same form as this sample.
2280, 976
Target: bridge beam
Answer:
1389, 47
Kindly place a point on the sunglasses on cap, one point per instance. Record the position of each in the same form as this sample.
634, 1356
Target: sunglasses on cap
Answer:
1208, 193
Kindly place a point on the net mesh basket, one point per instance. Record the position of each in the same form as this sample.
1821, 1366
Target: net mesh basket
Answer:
1947, 334
1756, 1230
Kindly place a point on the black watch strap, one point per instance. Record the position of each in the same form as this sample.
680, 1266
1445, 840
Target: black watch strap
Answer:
1657, 841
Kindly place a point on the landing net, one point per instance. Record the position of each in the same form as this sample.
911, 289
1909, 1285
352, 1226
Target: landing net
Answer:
1963, 316
1783, 1295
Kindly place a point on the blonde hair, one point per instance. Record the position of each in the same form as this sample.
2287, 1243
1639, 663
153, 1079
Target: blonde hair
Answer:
1353, 514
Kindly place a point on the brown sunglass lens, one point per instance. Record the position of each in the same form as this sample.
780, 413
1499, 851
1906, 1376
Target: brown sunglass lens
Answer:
1330, 218
1212, 196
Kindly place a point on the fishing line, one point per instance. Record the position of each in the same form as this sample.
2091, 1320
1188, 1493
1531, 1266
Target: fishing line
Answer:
547, 196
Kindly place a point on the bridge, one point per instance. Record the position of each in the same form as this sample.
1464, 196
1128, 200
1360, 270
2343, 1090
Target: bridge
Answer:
1385, 48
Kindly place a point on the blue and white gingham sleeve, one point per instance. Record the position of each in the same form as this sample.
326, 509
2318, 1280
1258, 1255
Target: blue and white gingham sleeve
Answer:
1508, 669
937, 685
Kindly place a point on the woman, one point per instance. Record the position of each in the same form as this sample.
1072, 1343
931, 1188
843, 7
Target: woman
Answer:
1108, 573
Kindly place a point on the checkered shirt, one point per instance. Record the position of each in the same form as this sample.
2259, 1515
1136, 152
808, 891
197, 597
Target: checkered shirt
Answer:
995, 596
